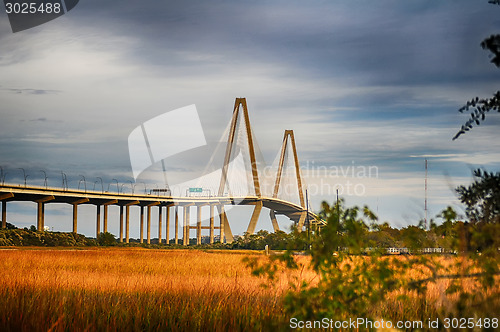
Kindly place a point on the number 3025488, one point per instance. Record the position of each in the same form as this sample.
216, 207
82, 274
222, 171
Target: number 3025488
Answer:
32, 8
463, 323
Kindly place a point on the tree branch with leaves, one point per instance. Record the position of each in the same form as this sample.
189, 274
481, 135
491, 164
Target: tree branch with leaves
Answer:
479, 107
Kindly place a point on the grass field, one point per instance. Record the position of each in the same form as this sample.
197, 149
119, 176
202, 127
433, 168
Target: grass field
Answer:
132, 289
123, 289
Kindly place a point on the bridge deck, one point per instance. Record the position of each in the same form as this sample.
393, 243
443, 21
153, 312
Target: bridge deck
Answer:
72, 196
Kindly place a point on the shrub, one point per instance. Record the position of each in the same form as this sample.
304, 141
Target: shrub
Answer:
106, 239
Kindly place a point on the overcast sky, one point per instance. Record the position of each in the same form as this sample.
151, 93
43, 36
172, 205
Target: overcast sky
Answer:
363, 83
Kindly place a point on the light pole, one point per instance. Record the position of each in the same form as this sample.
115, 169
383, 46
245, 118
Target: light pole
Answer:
131, 186
117, 188
25, 176
84, 182
2, 175
45, 175
102, 185
64, 179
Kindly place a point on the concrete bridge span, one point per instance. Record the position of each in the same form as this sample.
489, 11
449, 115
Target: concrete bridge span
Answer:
102, 200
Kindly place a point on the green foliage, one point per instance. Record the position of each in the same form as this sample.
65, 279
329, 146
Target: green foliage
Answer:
351, 279
25, 237
277, 241
447, 234
106, 239
482, 197
492, 43
10, 226
480, 106
448, 214
414, 237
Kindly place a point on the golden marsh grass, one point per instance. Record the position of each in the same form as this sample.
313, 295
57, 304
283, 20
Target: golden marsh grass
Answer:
132, 289
135, 289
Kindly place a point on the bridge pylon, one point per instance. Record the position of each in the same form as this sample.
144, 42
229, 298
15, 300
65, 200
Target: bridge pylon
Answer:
230, 143
240, 109
289, 137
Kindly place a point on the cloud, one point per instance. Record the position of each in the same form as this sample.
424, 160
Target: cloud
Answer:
43, 120
30, 91
33, 91
39, 119
483, 159
443, 155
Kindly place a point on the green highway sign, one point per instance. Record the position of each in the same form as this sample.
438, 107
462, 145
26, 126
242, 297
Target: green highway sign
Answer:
195, 190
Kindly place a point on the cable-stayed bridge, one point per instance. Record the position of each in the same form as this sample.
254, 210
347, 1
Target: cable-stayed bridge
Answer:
242, 180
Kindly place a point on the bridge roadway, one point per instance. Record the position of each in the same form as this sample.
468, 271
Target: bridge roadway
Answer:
45, 195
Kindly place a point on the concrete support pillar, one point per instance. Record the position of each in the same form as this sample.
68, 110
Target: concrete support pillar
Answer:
127, 220
121, 223
276, 227
185, 225
254, 218
176, 224
228, 234
3, 198
98, 222
198, 224
149, 226
127, 224
211, 224
225, 229
188, 223
160, 216
167, 226
75, 210
222, 217
75, 218
301, 221
40, 217
4, 214
40, 224
105, 230
142, 224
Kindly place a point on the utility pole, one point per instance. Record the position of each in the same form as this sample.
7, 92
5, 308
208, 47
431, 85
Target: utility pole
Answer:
425, 202
338, 210
307, 220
